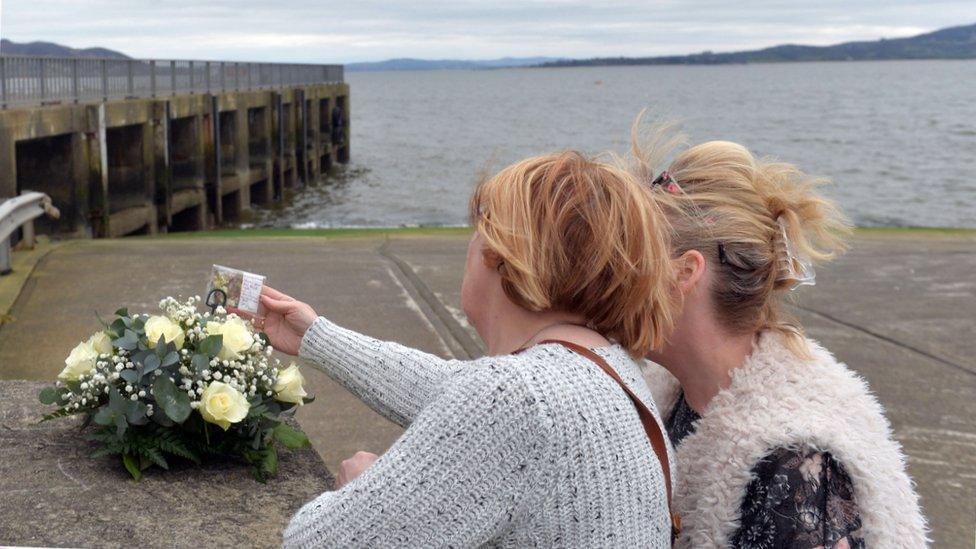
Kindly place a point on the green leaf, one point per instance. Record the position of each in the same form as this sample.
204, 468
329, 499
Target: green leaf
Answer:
139, 357
170, 359
136, 413
117, 327
116, 402
211, 345
155, 456
200, 363
102, 321
162, 419
171, 444
268, 466
49, 395
132, 376
120, 425
56, 414
151, 363
129, 340
105, 416
174, 402
139, 325
122, 312
291, 438
131, 463
102, 452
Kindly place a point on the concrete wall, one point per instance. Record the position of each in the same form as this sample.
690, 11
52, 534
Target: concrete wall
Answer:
186, 162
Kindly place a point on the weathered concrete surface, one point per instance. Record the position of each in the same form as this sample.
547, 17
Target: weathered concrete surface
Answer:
899, 309
53, 494
344, 279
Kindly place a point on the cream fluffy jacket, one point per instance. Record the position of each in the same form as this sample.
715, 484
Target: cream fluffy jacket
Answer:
779, 400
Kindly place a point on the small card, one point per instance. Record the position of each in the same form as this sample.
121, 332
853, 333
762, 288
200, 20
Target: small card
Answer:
234, 288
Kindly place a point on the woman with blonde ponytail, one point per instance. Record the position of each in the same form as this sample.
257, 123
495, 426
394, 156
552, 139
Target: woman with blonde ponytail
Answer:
778, 444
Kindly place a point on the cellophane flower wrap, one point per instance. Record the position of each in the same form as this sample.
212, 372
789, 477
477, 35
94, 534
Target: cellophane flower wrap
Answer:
181, 384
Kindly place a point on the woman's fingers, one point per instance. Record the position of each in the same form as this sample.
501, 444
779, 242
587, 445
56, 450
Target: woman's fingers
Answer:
275, 294
277, 305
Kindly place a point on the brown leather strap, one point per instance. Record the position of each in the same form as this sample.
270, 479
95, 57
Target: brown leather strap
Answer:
651, 427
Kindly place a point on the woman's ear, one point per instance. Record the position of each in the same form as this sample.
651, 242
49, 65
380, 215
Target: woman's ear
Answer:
690, 269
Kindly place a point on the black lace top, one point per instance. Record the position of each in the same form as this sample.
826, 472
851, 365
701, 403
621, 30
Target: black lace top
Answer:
800, 498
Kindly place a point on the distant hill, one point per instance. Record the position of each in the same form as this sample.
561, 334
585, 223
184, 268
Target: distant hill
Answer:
408, 64
50, 49
949, 43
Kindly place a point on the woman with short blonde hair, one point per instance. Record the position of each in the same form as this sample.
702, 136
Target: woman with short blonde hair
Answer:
548, 441
778, 443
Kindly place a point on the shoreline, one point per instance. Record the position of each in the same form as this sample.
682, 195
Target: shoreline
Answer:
458, 230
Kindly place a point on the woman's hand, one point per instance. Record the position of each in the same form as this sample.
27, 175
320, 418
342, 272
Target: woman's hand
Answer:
285, 319
353, 467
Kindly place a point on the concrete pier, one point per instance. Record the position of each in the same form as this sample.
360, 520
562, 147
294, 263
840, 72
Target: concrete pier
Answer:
190, 157
898, 309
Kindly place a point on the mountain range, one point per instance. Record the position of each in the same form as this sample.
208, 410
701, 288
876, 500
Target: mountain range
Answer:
50, 49
409, 64
948, 43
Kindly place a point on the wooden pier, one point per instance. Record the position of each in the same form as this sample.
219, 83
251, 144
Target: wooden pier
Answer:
145, 146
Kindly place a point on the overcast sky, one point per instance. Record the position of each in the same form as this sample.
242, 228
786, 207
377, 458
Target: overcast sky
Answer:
365, 30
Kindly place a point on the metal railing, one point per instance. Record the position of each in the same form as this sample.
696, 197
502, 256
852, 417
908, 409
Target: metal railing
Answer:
30, 80
21, 211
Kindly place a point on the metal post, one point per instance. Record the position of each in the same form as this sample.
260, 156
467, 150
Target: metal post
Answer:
104, 80
281, 143
40, 71
103, 167
207, 77
300, 93
191, 77
152, 78
172, 76
223, 76
131, 83
3, 83
5, 257
215, 121
75, 91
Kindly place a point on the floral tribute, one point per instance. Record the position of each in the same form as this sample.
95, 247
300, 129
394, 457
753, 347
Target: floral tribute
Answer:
184, 385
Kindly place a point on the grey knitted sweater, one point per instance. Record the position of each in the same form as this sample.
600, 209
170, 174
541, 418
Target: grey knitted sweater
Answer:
541, 448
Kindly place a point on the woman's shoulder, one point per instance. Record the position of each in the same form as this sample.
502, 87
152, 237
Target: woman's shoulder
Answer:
775, 373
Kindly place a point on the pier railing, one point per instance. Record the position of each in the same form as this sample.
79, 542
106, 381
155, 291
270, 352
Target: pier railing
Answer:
30, 80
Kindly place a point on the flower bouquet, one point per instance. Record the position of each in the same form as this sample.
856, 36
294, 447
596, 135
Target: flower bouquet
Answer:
181, 384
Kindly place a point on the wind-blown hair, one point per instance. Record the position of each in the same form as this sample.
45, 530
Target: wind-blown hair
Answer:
573, 234
741, 213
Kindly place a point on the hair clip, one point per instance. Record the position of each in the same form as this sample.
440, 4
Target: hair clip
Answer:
794, 265
666, 182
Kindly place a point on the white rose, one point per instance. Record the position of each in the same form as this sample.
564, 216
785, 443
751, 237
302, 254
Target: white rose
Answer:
221, 404
162, 326
237, 337
101, 343
288, 386
81, 359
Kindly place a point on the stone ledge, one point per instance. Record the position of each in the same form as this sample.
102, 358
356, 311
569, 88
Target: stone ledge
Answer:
54, 494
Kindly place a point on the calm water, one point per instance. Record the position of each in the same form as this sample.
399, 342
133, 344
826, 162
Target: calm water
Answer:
897, 138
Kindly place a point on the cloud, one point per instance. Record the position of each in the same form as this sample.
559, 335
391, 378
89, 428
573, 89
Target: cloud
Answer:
314, 31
